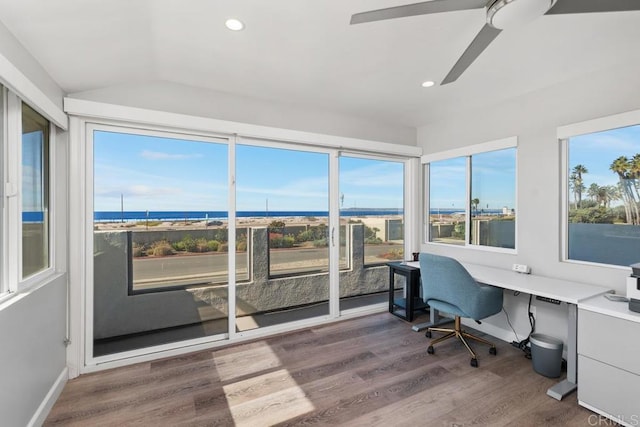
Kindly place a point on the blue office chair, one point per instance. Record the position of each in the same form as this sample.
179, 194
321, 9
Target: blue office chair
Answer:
448, 287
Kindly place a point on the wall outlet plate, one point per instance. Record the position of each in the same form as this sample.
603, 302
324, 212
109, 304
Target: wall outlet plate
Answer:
521, 268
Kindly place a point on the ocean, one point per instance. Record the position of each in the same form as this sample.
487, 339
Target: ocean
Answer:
112, 216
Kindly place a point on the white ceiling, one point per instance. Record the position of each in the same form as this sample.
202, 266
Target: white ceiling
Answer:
305, 53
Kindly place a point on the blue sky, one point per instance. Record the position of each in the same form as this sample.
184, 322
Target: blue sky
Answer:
596, 151
493, 181
32, 161
161, 174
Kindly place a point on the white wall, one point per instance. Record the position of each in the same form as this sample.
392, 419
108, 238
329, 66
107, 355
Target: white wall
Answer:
32, 351
534, 119
178, 98
33, 324
15, 53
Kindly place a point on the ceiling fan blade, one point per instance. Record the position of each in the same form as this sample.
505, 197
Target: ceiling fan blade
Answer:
591, 6
484, 38
423, 8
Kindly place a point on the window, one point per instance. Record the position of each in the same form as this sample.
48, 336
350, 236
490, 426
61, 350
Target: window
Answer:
471, 197
26, 172
603, 196
35, 192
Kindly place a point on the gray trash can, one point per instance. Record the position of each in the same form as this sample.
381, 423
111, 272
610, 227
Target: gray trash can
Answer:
546, 355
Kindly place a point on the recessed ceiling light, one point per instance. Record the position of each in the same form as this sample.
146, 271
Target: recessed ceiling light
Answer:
428, 83
234, 24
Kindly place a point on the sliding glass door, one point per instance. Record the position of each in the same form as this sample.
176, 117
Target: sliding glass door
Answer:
282, 206
371, 227
160, 239
305, 233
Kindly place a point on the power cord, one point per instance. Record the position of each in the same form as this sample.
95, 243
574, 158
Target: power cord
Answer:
524, 344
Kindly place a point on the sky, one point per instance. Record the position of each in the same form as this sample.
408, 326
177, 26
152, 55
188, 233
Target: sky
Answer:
493, 181
32, 162
596, 151
163, 174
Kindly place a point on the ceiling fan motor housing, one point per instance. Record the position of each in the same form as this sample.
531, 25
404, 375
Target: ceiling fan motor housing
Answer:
505, 14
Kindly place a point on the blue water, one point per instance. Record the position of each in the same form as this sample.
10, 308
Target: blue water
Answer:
199, 215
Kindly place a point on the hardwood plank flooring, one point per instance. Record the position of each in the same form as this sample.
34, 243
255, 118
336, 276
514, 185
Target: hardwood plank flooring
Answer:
370, 371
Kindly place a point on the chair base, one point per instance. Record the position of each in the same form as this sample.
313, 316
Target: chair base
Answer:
457, 332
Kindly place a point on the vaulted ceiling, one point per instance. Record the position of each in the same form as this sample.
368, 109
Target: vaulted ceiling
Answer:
305, 53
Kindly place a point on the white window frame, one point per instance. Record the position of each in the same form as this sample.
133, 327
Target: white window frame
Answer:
11, 251
564, 133
467, 153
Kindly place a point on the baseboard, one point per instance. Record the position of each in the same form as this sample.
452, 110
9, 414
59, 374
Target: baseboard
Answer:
495, 331
50, 399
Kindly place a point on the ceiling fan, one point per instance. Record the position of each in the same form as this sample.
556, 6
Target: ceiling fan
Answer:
501, 14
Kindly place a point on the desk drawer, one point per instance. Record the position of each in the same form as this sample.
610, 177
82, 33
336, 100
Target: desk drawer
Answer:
609, 389
609, 339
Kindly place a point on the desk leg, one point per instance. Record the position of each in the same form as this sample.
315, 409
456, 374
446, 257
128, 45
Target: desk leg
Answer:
435, 320
392, 286
569, 385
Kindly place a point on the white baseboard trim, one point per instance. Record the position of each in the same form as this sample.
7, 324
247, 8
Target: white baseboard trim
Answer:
495, 331
54, 392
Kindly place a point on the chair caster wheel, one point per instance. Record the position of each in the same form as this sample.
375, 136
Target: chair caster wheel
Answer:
474, 363
430, 349
493, 351
427, 334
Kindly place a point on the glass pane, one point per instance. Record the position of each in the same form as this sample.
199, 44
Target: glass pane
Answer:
604, 197
371, 227
35, 192
448, 200
493, 194
160, 240
282, 199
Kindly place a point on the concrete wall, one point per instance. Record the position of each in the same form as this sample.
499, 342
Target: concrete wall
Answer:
534, 119
178, 98
118, 313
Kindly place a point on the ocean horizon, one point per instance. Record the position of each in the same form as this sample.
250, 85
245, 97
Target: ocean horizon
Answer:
113, 216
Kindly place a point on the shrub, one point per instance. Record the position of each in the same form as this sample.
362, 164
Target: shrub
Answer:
138, 250
596, 215
276, 224
312, 233
213, 245
202, 245
161, 248
458, 231
187, 244
320, 243
282, 242
241, 246
223, 247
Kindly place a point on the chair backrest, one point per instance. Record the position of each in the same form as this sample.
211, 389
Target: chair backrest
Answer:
445, 279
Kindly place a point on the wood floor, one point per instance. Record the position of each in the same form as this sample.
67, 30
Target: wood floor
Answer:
371, 371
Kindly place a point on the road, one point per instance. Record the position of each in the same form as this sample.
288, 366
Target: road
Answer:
193, 268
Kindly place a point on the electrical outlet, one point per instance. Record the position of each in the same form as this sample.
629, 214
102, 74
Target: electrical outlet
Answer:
521, 268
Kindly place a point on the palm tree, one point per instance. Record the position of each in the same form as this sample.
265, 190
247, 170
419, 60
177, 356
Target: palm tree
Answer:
622, 167
594, 191
578, 187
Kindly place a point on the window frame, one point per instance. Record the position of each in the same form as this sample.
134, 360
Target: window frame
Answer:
467, 153
11, 216
564, 134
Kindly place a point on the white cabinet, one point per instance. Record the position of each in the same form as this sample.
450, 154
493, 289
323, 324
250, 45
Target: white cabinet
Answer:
608, 362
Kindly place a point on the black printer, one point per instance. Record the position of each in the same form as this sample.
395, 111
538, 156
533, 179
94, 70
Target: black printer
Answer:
633, 288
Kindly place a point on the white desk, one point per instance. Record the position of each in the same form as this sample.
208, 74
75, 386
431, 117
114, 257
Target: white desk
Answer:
562, 290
